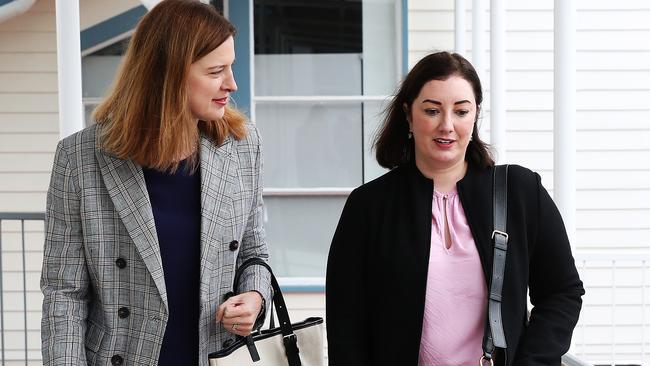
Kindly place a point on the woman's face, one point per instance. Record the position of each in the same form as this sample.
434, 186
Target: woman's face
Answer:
442, 118
210, 82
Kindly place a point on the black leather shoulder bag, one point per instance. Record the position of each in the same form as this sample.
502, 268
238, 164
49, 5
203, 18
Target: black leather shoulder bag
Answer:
494, 335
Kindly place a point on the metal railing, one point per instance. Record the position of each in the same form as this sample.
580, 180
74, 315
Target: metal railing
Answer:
613, 322
13, 243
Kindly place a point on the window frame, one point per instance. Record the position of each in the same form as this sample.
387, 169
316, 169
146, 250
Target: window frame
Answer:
315, 284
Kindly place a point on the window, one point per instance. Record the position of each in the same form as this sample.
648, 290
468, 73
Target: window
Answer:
322, 71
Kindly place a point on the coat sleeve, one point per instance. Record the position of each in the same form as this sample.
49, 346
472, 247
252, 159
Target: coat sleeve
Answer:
64, 278
347, 306
255, 278
555, 290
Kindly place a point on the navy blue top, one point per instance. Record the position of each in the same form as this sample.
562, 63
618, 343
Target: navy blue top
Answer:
176, 203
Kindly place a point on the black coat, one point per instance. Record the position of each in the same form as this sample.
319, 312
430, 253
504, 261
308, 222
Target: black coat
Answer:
378, 264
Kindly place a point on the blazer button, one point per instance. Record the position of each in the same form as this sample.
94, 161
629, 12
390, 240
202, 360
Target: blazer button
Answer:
234, 245
120, 263
123, 312
227, 343
117, 360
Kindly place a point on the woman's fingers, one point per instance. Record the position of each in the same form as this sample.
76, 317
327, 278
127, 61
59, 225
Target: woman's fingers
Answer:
239, 313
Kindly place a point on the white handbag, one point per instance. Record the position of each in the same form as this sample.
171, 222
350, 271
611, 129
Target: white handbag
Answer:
299, 344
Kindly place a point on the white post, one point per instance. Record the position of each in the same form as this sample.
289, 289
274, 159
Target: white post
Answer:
564, 113
498, 79
459, 27
68, 43
478, 38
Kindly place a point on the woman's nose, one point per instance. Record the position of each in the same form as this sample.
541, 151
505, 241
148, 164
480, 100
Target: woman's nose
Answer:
229, 83
446, 123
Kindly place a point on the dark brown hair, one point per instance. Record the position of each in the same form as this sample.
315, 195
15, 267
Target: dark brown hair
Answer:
146, 116
392, 145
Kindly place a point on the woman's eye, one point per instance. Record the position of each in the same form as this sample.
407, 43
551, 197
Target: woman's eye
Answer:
216, 73
462, 112
431, 112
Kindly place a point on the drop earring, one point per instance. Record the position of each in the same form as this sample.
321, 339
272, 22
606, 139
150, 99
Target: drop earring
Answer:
410, 135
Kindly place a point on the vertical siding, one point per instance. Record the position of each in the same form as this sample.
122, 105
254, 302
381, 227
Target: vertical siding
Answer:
613, 137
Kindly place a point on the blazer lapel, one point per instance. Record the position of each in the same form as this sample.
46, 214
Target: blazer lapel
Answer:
126, 186
218, 178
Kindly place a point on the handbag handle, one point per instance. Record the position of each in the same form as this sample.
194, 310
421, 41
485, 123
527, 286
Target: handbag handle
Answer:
288, 336
494, 335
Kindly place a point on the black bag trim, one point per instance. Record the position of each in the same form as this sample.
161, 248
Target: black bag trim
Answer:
264, 334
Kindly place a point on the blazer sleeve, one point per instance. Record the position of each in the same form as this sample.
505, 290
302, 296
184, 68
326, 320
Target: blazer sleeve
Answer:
347, 305
255, 278
64, 278
555, 290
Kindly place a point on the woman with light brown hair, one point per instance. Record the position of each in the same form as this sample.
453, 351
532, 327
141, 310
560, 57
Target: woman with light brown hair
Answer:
151, 209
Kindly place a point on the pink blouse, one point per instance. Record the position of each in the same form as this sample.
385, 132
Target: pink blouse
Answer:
456, 294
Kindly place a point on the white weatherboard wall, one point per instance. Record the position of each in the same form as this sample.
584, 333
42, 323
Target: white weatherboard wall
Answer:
28, 107
28, 135
612, 142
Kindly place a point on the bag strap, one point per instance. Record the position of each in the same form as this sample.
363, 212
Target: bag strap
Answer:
288, 336
494, 335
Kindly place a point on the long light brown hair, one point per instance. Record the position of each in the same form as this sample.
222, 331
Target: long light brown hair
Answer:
146, 116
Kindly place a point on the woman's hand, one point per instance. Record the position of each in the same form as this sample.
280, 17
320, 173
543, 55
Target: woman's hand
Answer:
239, 313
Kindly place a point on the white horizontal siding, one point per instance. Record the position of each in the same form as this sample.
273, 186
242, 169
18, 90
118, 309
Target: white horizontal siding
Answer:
28, 135
29, 122
518, 20
94, 11
527, 5
25, 41
636, 59
35, 22
36, 61
28, 142
28, 107
26, 163
26, 82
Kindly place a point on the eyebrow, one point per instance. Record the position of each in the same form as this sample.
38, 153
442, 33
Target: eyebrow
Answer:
439, 103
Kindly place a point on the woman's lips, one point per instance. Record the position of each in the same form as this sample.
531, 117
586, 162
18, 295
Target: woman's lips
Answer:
221, 101
444, 143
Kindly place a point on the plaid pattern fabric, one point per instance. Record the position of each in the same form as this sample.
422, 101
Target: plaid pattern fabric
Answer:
98, 211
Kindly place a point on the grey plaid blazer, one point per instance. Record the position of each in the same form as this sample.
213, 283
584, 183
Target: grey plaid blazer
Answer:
98, 210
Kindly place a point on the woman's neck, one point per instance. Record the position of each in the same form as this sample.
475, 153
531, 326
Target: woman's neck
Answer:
444, 179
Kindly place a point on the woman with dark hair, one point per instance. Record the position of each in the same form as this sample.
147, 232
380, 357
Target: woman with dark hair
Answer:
410, 264
150, 210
